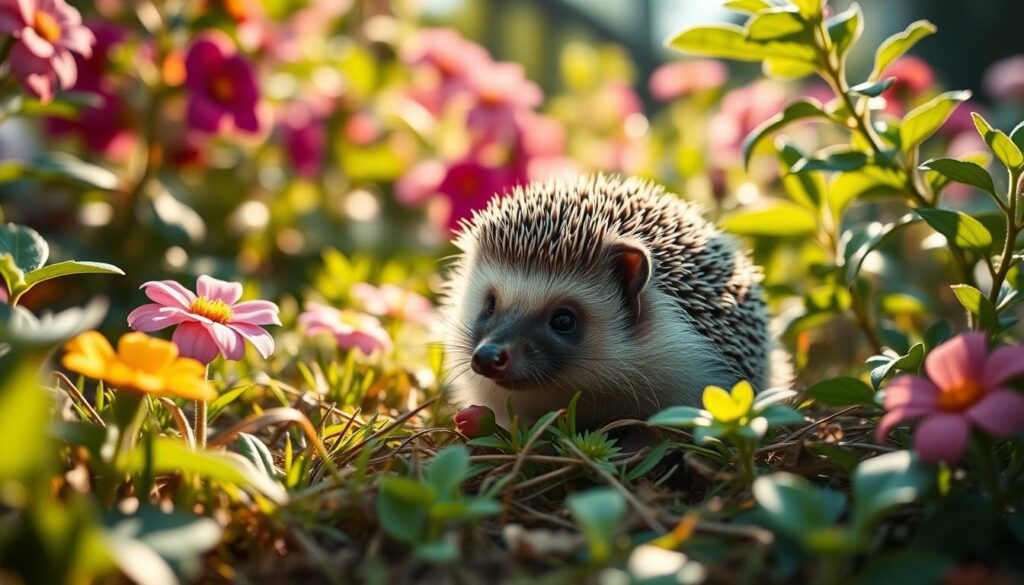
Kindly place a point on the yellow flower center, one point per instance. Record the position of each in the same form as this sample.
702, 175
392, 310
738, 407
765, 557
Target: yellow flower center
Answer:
217, 311
222, 88
959, 397
46, 25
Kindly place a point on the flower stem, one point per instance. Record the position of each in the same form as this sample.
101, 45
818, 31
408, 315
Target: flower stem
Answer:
745, 450
199, 422
1012, 230
985, 456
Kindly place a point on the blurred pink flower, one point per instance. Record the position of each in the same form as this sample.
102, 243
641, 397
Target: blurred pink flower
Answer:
676, 79
46, 35
475, 422
1004, 79
208, 323
442, 60
221, 85
393, 301
420, 182
965, 388
349, 328
107, 127
304, 139
470, 184
741, 111
500, 90
539, 135
3, 293
913, 77
362, 128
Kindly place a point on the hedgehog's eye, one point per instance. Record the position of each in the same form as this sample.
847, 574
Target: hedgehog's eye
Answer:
491, 302
563, 322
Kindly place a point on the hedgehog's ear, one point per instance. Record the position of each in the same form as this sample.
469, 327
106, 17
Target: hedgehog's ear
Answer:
632, 263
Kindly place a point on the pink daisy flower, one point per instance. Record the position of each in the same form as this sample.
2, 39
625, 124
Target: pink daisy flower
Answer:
210, 321
46, 35
965, 389
349, 328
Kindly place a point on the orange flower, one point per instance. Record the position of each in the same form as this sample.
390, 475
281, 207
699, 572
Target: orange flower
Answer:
141, 363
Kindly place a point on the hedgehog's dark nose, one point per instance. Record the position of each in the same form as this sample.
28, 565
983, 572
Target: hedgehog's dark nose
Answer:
490, 360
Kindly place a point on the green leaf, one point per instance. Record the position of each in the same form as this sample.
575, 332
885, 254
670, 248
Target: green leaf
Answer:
728, 41
776, 23
27, 248
873, 88
882, 366
749, 6
905, 567
793, 506
1005, 149
779, 415
845, 28
179, 539
959, 228
649, 462
256, 451
962, 171
600, 513
402, 508
870, 181
843, 391
805, 188
834, 160
172, 456
809, 8
926, 119
895, 46
884, 482
447, 470
875, 236
678, 416
799, 110
978, 304
787, 70
1017, 136
68, 268
781, 219
61, 167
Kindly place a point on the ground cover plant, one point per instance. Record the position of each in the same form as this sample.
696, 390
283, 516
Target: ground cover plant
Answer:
220, 265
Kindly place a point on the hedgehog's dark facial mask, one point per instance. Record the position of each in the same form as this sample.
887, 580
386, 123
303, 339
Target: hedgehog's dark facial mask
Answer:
530, 330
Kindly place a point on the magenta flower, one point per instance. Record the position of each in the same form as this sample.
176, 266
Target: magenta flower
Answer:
349, 328
419, 182
210, 321
304, 139
965, 388
913, 76
501, 90
221, 85
393, 301
46, 35
673, 80
475, 422
742, 110
470, 184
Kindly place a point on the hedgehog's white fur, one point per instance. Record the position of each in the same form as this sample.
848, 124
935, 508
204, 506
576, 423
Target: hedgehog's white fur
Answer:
705, 321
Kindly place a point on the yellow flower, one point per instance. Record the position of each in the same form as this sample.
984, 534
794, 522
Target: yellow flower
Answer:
731, 406
141, 363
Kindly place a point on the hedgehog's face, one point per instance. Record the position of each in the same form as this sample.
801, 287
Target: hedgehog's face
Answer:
538, 329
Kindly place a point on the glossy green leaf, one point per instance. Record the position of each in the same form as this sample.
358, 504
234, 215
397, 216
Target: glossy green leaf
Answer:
868, 182
836, 160
959, 228
776, 23
873, 88
895, 46
599, 512
61, 167
27, 248
961, 171
678, 416
923, 121
978, 304
402, 506
781, 219
794, 506
884, 365
1017, 136
843, 391
779, 415
729, 41
256, 451
875, 235
68, 268
802, 109
884, 482
749, 6
447, 469
1005, 149
845, 28
806, 188
809, 8
787, 70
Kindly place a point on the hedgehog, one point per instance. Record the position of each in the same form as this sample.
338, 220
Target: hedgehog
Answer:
607, 286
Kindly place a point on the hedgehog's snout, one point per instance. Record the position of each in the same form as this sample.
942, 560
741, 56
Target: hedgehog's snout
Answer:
491, 360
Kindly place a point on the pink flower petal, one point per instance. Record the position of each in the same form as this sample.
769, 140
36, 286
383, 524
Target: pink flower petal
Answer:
256, 313
1003, 364
154, 317
257, 336
1000, 413
36, 44
203, 57
218, 290
958, 360
168, 293
898, 415
942, 437
41, 85
80, 40
194, 341
908, 390
203, 114
65, 68
230, 342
